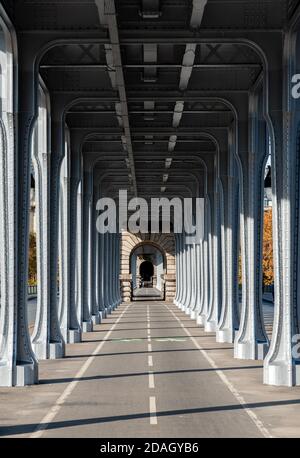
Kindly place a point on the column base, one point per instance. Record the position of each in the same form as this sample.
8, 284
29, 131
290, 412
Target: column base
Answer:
50, 350
201, 320
225, 335
193, 314
210, 326
248, 350
96, 319
188, 311
41, 350
74, 336
56, 350
20, 375
281, 373
87, 326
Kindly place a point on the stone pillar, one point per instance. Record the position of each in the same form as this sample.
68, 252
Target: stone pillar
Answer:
125, 280
170, 282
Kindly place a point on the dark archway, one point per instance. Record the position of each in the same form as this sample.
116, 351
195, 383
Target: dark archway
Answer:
146, 272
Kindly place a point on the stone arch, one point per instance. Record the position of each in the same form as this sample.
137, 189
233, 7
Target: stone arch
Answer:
165, 243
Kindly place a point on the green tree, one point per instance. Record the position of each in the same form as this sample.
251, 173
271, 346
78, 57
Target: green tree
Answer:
32, 262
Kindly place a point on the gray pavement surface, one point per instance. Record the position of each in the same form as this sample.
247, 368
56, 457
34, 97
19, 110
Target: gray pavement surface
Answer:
149, 371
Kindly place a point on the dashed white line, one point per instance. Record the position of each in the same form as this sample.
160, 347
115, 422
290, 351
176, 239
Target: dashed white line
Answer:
49, 417
152, 408
151, 381
150, 348
150, 361
258, 423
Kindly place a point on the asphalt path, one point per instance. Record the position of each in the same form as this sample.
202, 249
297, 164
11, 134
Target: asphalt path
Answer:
147, 377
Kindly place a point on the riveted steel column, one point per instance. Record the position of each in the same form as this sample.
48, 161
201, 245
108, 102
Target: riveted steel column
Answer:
282, 363
229, 323
41, 341
252, 341
79, 257
67, 313
215, 256
87, 324
94, 306
177, 268
18, 365
207, 266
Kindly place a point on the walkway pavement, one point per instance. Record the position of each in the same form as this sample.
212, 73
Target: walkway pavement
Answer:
149, 371
147, 293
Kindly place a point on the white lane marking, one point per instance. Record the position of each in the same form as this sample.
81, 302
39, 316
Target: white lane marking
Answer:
149, 339
149, 332
151, 381
258, 423
148, 325
150, 361
149, 348
49, 417
152, 408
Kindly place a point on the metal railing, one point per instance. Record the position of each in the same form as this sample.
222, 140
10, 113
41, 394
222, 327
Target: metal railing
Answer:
32, 290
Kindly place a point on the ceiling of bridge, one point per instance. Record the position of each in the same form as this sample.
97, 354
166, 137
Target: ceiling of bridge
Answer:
146, 72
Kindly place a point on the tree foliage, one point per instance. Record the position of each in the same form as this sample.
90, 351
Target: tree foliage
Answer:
267, 265
32, 262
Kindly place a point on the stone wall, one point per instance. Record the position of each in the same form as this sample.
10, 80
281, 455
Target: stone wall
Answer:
165, 243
